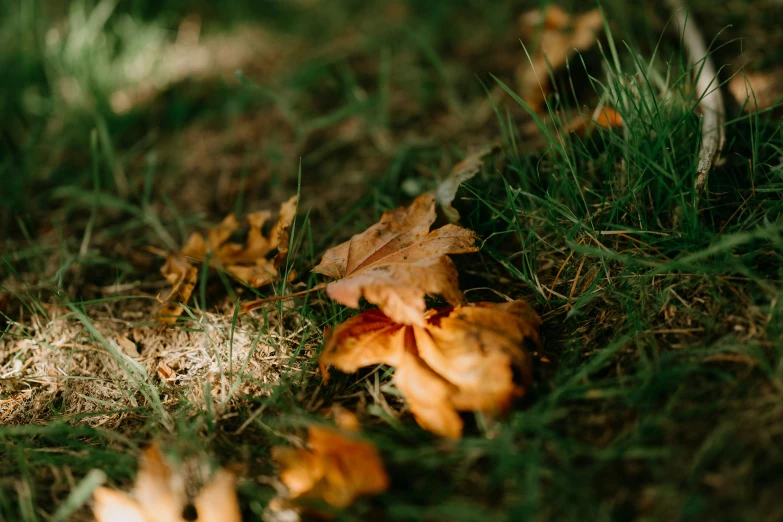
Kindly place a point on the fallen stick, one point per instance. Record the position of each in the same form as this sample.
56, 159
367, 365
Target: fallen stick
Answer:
713, 135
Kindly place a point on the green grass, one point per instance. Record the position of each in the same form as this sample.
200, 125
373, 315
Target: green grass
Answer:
658, 393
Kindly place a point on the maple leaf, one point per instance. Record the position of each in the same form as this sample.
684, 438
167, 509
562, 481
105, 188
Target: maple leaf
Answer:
249, 262
397, 261
159, 496
561, 35
336, 467
462, 359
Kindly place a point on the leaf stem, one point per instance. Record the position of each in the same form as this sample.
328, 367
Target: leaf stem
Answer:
252, 305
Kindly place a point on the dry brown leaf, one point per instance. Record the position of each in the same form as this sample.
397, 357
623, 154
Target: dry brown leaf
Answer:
427, 394
182, 276
247, 262
757, 90
166, 373
460, 173
561, 35
464, 358
336, 468
397, 261
127, 346
159, 496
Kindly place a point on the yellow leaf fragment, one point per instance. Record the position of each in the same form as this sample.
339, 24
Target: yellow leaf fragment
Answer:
364, 340
397, 261
464, 358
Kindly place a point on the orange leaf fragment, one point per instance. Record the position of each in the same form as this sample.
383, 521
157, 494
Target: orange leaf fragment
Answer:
397, 261
561, 35
607, 118
249, 262
159, 496
464, 358
336, 468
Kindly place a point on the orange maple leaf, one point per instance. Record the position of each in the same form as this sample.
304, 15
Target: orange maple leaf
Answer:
249, 262
462, 359
397, 261
159, 496
336, 467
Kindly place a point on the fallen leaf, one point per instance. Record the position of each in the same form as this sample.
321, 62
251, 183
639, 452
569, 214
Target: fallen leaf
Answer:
345, 420
428, 395
560, 36
159, 496
166, 373
607, 117
182, 276
460, 173
127, 346
397, 261
463, 358
756, 90
249, 262
336, 467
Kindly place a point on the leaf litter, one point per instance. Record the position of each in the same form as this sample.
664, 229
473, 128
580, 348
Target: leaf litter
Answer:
181, 278
249, 262
449, 360
459, 358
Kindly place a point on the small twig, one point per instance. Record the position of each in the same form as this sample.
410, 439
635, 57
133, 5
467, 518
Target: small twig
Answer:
155, 251
252, 305
713, 135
